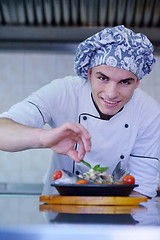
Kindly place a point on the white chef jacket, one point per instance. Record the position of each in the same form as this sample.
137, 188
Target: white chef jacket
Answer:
131, 136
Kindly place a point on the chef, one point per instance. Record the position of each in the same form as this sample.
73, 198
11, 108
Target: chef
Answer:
100, 115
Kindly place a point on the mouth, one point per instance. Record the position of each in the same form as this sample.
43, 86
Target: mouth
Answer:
112, 102
109, 102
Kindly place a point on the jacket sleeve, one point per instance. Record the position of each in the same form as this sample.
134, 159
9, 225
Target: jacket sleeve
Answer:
144, 162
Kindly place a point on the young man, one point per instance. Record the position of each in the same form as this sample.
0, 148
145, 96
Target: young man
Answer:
101, 111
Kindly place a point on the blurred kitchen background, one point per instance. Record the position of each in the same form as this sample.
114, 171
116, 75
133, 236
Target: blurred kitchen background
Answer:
38, 40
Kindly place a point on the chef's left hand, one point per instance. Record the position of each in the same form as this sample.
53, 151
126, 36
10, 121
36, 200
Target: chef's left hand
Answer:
134, 194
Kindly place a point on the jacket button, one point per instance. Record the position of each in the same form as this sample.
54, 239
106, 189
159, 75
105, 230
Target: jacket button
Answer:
77, 172
122, 156
126, 125
84, 118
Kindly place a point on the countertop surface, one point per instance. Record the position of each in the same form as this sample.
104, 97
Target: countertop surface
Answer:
24, 215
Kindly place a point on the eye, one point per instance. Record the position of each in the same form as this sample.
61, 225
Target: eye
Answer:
102, 78
125, 82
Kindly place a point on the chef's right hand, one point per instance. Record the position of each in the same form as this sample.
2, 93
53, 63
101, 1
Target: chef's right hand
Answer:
63, 139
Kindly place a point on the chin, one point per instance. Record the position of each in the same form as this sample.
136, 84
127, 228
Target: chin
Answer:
109, 113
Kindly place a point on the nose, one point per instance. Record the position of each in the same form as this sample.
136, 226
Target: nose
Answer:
111, 90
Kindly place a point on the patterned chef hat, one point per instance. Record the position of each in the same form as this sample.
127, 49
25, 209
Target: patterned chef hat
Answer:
118, 47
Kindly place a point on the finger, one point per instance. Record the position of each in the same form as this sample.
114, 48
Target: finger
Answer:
81, 149
72, 153
87, 143
80, 131
85, 137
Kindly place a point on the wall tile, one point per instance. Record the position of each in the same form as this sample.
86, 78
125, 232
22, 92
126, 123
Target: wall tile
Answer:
11, 79
10, 166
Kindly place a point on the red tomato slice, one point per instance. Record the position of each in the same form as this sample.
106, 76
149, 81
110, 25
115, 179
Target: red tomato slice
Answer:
128, 179
81, 181
57, 174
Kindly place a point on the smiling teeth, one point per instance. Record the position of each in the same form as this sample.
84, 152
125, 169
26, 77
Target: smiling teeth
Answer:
109, 101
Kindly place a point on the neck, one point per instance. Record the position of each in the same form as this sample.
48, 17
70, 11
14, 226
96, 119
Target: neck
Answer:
102, 115
105, 116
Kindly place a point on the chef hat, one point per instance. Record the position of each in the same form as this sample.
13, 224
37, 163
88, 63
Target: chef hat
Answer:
118, 47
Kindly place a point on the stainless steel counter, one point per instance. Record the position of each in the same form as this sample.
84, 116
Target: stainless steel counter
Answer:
21, 188
23, 217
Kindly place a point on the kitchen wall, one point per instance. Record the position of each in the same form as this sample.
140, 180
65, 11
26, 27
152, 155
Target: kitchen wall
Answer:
21, 73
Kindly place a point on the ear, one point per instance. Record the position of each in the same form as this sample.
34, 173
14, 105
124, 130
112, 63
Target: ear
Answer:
89, 73
137, 82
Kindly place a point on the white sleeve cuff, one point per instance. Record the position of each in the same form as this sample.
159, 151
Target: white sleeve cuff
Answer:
146, 173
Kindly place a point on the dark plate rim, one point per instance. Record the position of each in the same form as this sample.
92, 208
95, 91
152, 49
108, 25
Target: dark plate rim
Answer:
94, 185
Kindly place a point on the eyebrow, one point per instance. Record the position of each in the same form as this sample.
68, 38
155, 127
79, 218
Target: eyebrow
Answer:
125, 79
128, 79
102, 74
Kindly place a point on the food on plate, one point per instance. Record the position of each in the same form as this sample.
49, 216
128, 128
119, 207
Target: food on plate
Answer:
95, 175
81, 181
96, 167
64, 177
57, 174
128, 179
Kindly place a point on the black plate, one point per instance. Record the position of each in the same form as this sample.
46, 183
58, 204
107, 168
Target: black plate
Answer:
94, 190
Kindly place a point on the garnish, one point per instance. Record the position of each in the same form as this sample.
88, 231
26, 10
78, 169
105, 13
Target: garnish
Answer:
86, 163
97, 168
